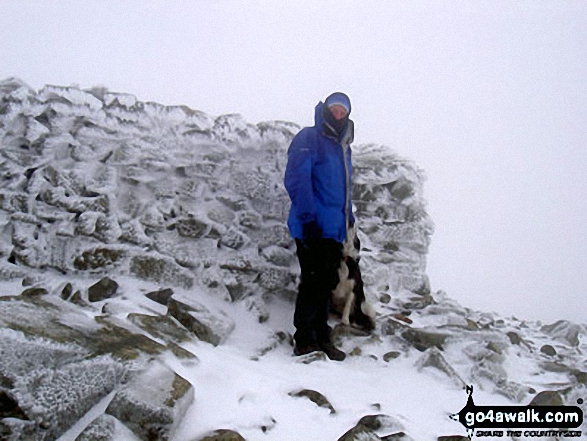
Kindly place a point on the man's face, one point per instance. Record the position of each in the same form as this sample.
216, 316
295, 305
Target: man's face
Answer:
338, 112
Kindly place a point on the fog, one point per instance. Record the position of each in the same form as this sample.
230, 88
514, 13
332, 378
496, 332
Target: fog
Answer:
488, 97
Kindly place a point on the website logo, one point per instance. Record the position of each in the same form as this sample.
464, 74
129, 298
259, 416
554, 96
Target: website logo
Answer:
498, 421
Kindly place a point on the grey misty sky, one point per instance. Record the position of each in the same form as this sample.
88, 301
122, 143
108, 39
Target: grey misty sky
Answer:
489, 97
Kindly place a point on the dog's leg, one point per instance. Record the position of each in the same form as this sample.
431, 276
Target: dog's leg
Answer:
369, 311
348, 304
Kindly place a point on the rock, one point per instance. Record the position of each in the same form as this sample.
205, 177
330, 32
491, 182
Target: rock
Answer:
161, 327
399, 436
555, 366
433, 358
77, 299
547, 398
492, 346
112, 338
385, 298
380, 422
512, 390
67, 291
101, 429
56, 372
392, 355
403, 318
492, 353
515, 339
548, 350
222, 435
420, 302
422, 340
311, 357
209, 326
233, 238
57, 398
315, 397
98, 258
160, 269
34, 292
162, 296
153, 402
106, 288
564, 331
392, 326
191, 227
258, 307
276, 340
13, 429
273, 279
580, 376
9, 406
278, 256
360, 433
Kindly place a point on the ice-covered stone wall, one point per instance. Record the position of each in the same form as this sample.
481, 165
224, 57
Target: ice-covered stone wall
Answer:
97, 182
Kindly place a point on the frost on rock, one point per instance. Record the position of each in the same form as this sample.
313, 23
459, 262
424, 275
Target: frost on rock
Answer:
20, 354
51, 385
60, 397
153, 403
101, 429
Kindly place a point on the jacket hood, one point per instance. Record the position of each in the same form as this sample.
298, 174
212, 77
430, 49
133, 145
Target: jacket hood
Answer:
319, 114
321, 123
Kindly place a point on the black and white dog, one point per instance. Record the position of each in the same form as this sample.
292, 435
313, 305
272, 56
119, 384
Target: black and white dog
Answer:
348, 298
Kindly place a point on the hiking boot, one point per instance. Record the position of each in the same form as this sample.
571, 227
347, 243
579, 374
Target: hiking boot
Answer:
332, 351
305, 349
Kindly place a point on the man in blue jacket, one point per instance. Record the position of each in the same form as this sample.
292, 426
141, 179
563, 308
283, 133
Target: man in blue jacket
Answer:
318, 179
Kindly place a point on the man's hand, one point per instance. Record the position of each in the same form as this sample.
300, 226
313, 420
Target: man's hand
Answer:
311, 231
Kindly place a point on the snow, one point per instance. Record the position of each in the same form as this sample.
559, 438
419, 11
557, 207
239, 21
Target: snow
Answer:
235, 392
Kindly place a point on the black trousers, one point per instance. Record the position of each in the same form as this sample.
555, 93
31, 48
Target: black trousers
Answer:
319, 263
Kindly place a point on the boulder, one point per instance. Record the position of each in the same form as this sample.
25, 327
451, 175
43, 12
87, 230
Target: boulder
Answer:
160, 269
547, 398
391, 355
564, 331
106, 288
424, 339
360, 433
548, 350
153, 402
315, 397
161, 296
48, 387
209, 325
433, 358
381, 423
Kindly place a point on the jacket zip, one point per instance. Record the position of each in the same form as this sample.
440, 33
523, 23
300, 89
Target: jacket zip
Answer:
345, 144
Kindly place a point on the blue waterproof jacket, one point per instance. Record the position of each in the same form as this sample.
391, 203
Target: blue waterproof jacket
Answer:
318, 179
